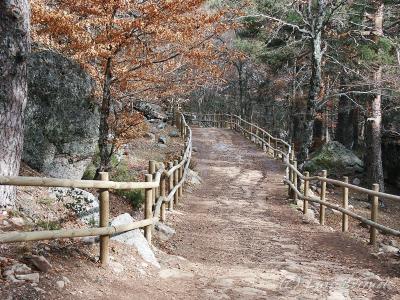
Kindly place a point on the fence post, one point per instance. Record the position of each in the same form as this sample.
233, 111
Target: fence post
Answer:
295, 196
323, 197
180, 175
276, 149
176, 180
176, 117
262, 142
291, 160
306, 189
374, 214
163, 194
148, 205
152, 171
171, 186
269, 144
231, 122
181, 126
345, 203
104, 220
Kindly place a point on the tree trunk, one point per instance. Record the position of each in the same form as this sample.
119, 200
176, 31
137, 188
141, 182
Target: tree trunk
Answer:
373, 134
315, 83
14, 51
355, 117
104, 129
346, 123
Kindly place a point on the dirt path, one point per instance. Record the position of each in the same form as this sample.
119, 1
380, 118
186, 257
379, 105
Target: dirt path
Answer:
237, 237
240, 239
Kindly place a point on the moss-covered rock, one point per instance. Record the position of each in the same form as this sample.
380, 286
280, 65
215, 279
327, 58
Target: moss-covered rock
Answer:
336, 159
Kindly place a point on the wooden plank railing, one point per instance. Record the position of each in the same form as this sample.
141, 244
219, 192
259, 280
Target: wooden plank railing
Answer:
283, 150
157, 195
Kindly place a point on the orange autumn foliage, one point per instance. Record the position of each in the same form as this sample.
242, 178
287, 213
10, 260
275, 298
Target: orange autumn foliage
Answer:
134, 49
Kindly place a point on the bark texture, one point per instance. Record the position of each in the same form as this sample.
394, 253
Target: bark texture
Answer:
347, 123
14, 51
373, 129
315, 90
104, 129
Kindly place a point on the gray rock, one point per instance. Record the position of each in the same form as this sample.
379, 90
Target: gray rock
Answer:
60, 284
150, 111
162, 140
389, 249
21, 269
161, 125
164, 232
174, 133
41, 263
193, 178
335, 158
66, 280
356, 181
33, 277
17, 221
116, 267
61, 119
19, 273
134, 238
309, 217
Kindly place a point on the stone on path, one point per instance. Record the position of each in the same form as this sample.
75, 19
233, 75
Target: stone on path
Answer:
134, 238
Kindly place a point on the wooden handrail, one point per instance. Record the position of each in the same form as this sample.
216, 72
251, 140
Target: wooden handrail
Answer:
153, 184
291, 168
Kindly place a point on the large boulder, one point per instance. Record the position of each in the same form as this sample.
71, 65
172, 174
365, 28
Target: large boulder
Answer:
62, 121
336, 159
150, 110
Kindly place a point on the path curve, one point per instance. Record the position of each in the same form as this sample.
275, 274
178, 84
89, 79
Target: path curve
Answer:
237, 237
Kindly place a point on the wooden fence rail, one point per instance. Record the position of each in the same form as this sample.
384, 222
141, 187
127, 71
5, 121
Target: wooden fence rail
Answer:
283, 150
157, 195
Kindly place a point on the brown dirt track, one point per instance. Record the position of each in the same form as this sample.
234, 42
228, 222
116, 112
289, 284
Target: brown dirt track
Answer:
241, 239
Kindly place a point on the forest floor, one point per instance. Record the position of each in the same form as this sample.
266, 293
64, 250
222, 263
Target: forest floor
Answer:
237, 237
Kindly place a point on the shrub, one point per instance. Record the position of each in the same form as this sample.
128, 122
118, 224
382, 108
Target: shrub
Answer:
122, 173
48, 225
135, 197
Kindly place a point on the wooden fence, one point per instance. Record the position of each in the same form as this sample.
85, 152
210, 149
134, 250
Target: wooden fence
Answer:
298, 183
163, 186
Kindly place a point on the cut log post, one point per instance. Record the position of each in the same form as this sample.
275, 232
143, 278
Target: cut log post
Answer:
152, 171
323, 197
148, 211
306, 191
276, 149
231, 122
262, 142
176, 181
171, 186
374, 214
290, 179
345, 203
163, 194
295, 196
269, 144
157, 189
104, 220
180, 175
